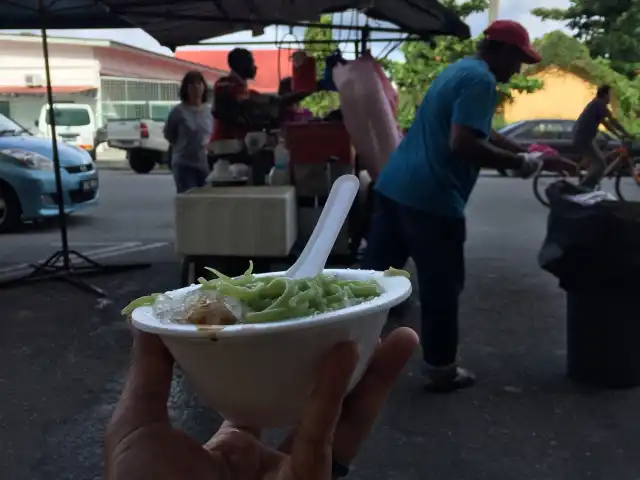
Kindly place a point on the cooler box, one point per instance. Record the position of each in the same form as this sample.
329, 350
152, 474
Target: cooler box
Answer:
236, 221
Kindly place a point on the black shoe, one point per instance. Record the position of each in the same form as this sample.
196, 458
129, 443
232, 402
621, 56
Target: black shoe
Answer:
448, 379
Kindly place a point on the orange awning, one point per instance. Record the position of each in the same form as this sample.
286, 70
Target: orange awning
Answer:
21, 90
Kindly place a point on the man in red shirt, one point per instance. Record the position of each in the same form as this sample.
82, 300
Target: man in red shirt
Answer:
232, 103
237, 109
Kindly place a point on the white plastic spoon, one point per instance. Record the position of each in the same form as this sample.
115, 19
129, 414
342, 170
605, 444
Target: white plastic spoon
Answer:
314, 257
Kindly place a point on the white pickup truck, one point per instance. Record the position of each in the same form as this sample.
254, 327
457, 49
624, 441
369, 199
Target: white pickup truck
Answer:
143, 140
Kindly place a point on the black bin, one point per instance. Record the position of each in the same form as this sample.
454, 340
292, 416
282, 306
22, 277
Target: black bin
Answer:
595, 253
603, 338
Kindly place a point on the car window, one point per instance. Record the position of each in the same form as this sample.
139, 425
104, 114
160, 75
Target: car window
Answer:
542, 130
9, 125
71, 117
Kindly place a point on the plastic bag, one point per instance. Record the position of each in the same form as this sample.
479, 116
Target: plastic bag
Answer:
368, 102
591, 247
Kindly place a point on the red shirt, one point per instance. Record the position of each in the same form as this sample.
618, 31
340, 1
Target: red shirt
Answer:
229, 88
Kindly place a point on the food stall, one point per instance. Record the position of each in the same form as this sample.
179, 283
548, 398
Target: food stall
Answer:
226, 226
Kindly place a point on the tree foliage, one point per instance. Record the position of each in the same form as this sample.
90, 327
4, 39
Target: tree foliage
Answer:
321, 103
424, 61
609, 28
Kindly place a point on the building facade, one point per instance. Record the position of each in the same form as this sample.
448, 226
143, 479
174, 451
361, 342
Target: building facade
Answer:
117, 81
563, 96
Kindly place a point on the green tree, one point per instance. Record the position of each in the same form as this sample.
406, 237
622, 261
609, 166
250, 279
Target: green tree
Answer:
424, 61
609, 28
321, 103
558, 48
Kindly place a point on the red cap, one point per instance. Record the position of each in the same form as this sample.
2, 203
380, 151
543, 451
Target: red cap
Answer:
512, 33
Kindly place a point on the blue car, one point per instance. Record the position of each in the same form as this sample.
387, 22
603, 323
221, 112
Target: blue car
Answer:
27, 179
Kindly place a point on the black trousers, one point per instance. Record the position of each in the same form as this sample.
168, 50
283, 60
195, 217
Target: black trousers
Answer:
436, 244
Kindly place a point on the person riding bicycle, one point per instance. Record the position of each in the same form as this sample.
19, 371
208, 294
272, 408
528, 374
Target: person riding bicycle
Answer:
596, 113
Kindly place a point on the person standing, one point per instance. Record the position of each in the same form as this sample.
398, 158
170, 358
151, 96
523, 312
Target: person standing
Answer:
596, 113
422, 191
188, 131
234, 103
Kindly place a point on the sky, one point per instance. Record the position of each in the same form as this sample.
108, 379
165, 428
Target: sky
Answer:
509, 9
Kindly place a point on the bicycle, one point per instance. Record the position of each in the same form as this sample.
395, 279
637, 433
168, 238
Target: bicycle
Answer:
620, 167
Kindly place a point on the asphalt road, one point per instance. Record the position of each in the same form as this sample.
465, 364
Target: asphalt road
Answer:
63, 356
134, 215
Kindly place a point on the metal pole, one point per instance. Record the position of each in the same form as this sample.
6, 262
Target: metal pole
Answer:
254, 43
54, 142
494, 9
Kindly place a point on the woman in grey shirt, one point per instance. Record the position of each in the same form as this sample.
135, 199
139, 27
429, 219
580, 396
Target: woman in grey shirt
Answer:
188, 130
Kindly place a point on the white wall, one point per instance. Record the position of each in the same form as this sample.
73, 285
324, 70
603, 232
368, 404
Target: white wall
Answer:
71, 65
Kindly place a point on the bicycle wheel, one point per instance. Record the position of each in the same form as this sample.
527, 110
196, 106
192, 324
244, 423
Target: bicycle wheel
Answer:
628, 181
541, 182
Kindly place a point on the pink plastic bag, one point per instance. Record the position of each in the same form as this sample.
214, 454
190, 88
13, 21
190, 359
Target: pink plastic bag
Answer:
368, 102
544, 149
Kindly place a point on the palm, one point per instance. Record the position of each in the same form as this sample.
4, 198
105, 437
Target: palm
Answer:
142, 445
231, 454
170, 453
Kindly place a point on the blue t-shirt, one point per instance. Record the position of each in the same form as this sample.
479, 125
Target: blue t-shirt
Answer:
422, 172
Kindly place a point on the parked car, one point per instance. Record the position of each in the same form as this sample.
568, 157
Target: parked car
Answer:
557, 134
27, 179
75, 124
143, 141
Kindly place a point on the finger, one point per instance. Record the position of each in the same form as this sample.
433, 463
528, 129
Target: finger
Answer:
363, 405
311, 448
144, 397
226, 425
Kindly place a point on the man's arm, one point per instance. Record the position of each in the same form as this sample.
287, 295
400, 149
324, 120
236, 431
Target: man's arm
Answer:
295, 97
504, 143
233, 104
471, 128
466, 143
172, 125
612, 124
229, 108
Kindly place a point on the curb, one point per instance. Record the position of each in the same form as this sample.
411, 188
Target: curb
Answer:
112, 165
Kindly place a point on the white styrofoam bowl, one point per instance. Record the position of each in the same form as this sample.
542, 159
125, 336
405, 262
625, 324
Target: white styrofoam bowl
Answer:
261, 375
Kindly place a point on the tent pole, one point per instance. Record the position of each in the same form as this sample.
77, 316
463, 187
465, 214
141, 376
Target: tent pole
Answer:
59, 265
62, 215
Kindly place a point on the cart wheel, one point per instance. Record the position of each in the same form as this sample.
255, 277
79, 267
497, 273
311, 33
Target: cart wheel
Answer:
187, 272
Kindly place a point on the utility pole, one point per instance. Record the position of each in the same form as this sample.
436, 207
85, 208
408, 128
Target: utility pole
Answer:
494, 7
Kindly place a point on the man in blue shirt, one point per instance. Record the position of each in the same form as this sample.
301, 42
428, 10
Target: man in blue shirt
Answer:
422, 191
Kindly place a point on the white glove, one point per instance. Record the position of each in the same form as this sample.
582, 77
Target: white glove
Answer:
531, 163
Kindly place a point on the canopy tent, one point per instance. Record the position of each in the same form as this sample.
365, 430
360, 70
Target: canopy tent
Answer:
57, 14
176, 23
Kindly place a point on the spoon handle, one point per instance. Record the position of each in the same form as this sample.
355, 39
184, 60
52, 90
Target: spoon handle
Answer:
314, 257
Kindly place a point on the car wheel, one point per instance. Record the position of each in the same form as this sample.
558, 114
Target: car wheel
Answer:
141, 162
10, 209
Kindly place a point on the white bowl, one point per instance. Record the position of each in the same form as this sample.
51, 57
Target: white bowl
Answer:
261, 375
